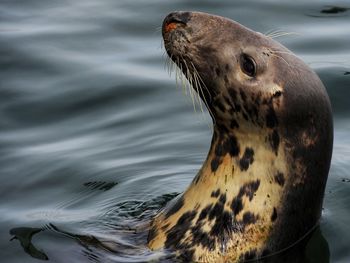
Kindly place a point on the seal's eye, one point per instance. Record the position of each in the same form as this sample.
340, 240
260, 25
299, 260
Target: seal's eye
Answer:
248, 65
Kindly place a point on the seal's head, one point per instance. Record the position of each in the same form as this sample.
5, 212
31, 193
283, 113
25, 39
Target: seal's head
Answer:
262, 184
236, 63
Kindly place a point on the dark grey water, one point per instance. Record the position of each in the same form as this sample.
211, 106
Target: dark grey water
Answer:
95, 137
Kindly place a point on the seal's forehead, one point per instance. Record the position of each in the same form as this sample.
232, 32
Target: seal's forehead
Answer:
214, 20
226, 29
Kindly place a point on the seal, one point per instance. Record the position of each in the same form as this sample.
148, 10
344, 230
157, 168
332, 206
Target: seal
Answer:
261, 187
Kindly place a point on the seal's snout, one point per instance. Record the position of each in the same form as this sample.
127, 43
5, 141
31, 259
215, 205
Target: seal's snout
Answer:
174, 19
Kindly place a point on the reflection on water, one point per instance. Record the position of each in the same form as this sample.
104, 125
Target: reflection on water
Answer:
100, 185
313, 249
126, 237
24, 235
317, 249
95, 138
334, 10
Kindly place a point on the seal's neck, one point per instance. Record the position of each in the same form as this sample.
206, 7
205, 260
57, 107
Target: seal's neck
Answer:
241, 185
244, 167
238, 153
237, 191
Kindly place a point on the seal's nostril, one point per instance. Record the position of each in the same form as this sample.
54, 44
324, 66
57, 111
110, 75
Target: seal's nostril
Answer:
170, 26
174, 19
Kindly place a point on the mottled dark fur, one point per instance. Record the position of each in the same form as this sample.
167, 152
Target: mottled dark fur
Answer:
286, 102
222, 227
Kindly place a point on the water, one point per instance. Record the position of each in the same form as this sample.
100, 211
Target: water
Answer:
95, 137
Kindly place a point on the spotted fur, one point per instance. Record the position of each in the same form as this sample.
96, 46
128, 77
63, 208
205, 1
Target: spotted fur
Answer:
262, 183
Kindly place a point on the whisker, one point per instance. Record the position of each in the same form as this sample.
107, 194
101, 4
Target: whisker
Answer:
201, 82
169, 66
277, 56
188, 86
198, 88
182, 80
177, 77
281, 52
271, 31
279, 33
205, 86
201, 89
284, 34
191, 82
158, 29
166, 62
162, 45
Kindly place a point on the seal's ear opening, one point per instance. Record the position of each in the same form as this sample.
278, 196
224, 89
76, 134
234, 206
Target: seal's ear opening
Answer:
248, 65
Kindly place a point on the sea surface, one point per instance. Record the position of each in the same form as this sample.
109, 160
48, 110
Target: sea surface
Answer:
95, 137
